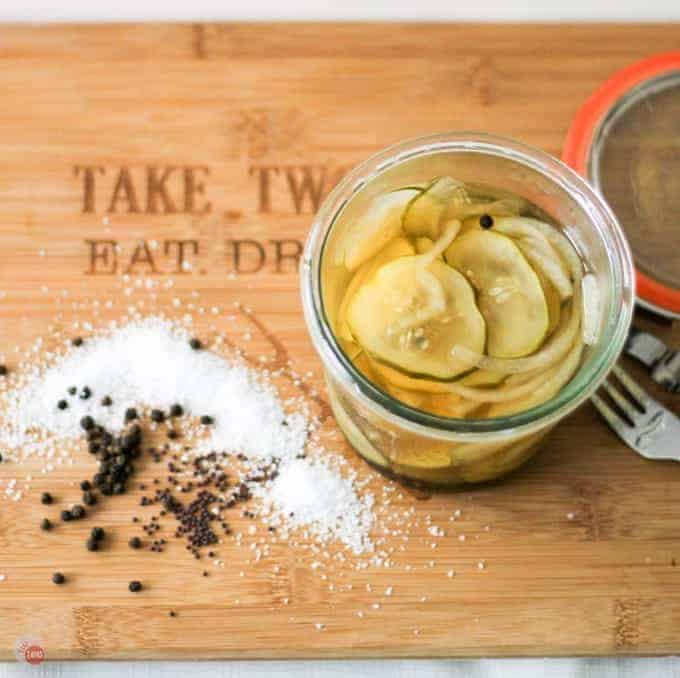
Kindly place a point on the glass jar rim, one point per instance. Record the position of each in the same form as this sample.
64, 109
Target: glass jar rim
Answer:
579, 388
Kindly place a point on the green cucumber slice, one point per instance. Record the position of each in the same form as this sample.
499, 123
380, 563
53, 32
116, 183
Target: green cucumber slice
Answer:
509, 293
411, 317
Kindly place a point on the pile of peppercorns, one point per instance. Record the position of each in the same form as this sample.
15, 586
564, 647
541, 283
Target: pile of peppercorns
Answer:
115, 455
198, 519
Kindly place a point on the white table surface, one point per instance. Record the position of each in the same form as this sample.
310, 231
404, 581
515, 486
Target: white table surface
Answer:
351, 10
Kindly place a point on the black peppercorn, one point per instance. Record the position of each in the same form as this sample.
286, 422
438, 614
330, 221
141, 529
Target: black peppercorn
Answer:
107, 401
72, 390
172, 613
85, 392
85, 485
196, 344
3, 370
62, 404
92, 544
135, 543
58, 578
97, 533
131, 414
158, 416
89, 498
78, 341
66, 515
45, 524
87, 423
486, 221
135, 586
207, 420
176, 410
77, 512
173, 435
46, 498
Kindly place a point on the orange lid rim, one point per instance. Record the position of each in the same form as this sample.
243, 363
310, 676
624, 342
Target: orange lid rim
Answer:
580, 137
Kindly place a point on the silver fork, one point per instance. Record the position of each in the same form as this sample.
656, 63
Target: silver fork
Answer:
652, 431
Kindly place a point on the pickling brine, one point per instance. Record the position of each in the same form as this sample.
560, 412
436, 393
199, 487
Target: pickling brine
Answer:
461, 304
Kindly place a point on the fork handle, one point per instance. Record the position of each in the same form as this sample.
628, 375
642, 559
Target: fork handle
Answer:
663, 362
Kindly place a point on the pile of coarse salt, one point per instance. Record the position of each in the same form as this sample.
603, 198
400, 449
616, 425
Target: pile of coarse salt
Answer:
149, 363
312, 495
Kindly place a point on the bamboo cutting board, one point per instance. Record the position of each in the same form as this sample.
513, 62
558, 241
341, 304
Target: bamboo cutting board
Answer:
252, 125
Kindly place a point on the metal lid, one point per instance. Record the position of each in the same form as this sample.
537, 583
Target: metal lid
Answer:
626, 140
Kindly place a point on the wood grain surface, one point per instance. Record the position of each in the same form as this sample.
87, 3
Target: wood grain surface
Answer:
252, 125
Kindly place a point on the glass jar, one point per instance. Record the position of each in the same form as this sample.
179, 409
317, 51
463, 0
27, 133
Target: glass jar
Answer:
384, 430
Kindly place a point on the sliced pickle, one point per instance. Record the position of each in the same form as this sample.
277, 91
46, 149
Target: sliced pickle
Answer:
482, 378
355, 436
510, 296
451, 405
553, 302
423, 456
351, 348
555, 379
545, 260
535, 247
363, 363
414, 399
505, 460
399, 247
397, 378
549, 241
402, 380
426, 211
411, 317
423, 245
376, 227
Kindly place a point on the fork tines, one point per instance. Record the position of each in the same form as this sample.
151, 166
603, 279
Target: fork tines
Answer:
631, 401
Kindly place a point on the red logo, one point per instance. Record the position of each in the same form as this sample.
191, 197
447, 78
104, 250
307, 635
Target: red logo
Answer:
34, 654
29, 650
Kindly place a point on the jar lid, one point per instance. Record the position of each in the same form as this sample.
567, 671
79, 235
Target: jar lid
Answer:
625, 140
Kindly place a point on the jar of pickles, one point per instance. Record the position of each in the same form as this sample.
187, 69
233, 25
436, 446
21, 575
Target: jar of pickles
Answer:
465, 293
